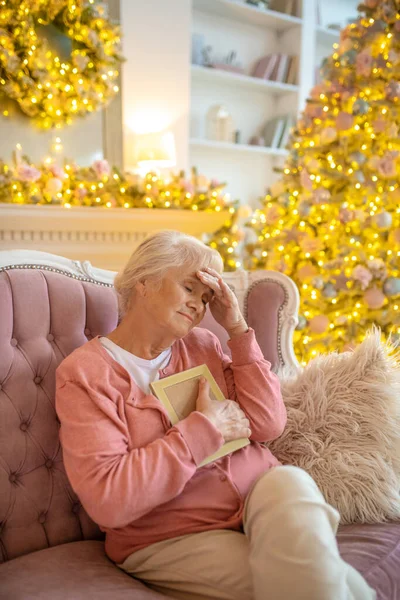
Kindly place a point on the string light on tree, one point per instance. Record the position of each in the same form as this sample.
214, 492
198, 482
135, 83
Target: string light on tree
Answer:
332, 221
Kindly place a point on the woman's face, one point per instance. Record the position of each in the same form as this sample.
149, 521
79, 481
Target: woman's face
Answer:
179, 304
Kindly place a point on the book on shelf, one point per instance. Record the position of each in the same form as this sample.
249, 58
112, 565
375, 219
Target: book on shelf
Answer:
265, 66
277, 67
277, 131
289, 124
273, 132
178, 393
281, 69
293, 70
288, 7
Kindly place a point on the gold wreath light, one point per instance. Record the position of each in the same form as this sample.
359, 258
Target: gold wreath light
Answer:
47, 88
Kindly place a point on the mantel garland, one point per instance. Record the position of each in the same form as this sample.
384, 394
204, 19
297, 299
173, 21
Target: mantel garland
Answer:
101, 185
47, 88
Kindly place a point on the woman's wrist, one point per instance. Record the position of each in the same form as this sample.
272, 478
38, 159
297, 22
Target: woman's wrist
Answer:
239, 329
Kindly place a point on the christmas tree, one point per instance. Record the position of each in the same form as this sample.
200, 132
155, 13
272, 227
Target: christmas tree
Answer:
332, 221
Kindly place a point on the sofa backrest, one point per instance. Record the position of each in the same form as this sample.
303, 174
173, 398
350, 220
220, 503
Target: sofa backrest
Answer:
48, 307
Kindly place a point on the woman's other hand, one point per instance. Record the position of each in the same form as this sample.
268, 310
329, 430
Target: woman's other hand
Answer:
224, 305
226, 416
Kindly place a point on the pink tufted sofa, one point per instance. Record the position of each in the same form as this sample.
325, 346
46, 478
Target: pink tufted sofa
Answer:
49, 547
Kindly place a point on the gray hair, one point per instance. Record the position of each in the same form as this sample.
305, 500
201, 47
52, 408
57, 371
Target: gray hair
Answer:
156, 255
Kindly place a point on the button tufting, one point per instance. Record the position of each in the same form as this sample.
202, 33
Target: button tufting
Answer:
213, 466
23, 426
76, 508
13, 478
49, 463
87, 331
223, 478
13, 342
50, 337
37, 379
42, 518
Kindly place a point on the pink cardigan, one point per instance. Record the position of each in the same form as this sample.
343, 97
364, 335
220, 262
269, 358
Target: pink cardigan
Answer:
136, 475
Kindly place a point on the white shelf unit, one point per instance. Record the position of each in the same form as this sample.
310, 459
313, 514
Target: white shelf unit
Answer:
234, 25
226, 146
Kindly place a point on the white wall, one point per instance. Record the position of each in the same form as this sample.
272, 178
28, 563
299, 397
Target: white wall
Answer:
155, 89
82, 141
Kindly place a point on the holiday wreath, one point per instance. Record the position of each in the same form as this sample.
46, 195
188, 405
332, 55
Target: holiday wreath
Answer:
46, 87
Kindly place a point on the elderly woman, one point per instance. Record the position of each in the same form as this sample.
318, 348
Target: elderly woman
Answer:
242, 527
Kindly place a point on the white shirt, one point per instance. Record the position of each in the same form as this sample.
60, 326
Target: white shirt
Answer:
143, 371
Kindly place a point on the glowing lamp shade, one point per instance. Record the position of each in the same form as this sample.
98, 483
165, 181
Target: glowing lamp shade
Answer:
155, 151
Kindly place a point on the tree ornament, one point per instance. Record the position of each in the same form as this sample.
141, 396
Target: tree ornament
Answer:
374, 298
319, 324
383, 219
391, 286
48, 88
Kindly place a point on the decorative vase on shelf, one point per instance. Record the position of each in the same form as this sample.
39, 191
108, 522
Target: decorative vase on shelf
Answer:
220, 126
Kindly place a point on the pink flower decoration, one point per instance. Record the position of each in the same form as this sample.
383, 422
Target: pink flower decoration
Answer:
309, 244
272, 214
101, 168
362, 275
56, 171
387, 166
305, 180
364, 63
27, 173
321, 195
346, 215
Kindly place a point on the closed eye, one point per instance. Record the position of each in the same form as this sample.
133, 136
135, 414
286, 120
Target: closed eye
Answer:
188, 289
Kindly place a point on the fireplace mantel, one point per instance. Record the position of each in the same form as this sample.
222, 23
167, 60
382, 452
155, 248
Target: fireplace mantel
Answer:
104, 236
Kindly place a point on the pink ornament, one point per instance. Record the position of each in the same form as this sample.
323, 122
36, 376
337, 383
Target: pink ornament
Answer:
101, 168
374, 298
364, 63
53, 186
344, 121
306, 272
319, 324
379, 125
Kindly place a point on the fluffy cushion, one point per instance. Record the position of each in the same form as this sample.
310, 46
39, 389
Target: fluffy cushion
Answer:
344, 429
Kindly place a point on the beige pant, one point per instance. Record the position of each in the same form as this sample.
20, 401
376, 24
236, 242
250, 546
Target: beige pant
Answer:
288, 551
